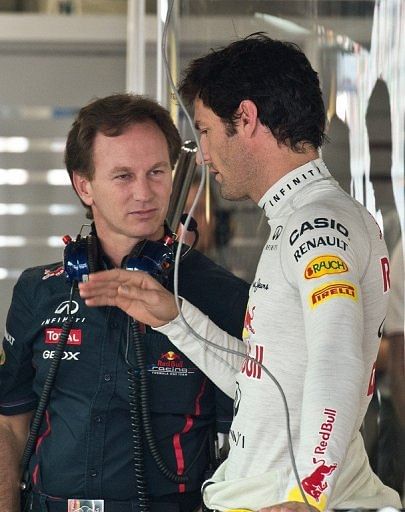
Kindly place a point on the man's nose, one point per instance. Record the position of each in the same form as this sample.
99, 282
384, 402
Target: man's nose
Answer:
142, 190
203, 155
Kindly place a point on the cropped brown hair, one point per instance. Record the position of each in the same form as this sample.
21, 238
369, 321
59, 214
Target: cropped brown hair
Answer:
111, 116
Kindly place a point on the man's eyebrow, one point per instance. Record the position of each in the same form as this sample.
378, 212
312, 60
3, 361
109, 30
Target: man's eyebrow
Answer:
163, 163
119, 168
197, 124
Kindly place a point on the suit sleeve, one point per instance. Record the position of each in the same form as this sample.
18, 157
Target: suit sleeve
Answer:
328, 280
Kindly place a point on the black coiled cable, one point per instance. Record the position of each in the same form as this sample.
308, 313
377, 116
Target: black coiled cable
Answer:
137, 436
45, 395
143, 400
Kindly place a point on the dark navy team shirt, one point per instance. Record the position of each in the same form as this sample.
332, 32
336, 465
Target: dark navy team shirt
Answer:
84, 448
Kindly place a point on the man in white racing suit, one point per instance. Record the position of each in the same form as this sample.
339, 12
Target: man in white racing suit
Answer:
317, 304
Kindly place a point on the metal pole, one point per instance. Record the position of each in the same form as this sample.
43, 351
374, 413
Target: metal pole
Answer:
183, 178
161, 82
135, 77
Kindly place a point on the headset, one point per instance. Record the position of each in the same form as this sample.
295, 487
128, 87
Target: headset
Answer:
81, 256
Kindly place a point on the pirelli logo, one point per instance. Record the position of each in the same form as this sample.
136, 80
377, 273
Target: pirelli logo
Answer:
326, 264
332, 290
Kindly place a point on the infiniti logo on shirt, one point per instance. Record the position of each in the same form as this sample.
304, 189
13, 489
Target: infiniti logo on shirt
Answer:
64, 307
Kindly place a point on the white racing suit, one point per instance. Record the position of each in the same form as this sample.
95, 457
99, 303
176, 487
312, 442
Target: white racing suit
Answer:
314, 320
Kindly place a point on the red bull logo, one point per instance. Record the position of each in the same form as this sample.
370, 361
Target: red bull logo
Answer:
52, 273
371, 383
385, 269
247, 324
170, 359
315, 483
170, 356
250, 366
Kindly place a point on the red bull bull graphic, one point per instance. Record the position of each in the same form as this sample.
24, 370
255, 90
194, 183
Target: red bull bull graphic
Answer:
171, 364
247, 324
52, 273
315, 483
170, 359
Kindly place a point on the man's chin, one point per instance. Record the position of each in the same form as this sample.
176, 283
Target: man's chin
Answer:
231, 195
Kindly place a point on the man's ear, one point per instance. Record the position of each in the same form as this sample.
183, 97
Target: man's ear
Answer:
248, 120
83, 188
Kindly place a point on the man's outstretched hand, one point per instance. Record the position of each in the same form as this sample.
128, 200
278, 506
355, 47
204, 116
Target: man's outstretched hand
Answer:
136, 293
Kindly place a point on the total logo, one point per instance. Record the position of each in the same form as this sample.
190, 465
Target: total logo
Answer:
52, 335
67, 356
323, 265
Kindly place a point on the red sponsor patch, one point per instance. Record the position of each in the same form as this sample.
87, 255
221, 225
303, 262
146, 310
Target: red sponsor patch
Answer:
315, 484
170, 360
52, 273
385, 269
371, 383
52, 335
250, 366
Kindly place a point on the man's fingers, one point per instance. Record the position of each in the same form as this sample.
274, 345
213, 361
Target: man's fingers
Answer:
136, 293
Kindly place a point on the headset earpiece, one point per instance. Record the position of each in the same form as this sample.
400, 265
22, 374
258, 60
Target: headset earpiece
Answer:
80, 257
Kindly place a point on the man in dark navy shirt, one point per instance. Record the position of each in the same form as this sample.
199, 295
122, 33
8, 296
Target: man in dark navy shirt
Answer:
119, 154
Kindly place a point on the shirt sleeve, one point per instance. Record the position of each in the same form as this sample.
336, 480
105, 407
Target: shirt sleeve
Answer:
220, 366
16, 370
328, 280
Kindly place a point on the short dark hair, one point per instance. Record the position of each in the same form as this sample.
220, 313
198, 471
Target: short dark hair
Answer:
275, 75
111, 116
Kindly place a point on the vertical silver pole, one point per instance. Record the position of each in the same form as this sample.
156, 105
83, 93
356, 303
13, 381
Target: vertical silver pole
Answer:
161, 82
135, 76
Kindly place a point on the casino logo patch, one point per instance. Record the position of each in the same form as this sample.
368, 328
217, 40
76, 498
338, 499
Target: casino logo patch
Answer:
332, 290
323, 265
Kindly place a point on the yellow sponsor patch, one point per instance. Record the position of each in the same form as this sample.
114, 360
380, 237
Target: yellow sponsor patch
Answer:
295, 495
326, 264
332, 290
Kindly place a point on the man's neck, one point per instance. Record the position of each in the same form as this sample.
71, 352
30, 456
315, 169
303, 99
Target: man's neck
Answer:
119, 246
277, 164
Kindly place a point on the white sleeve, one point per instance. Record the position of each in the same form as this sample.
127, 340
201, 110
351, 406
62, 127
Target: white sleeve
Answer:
333, 321
220, 366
